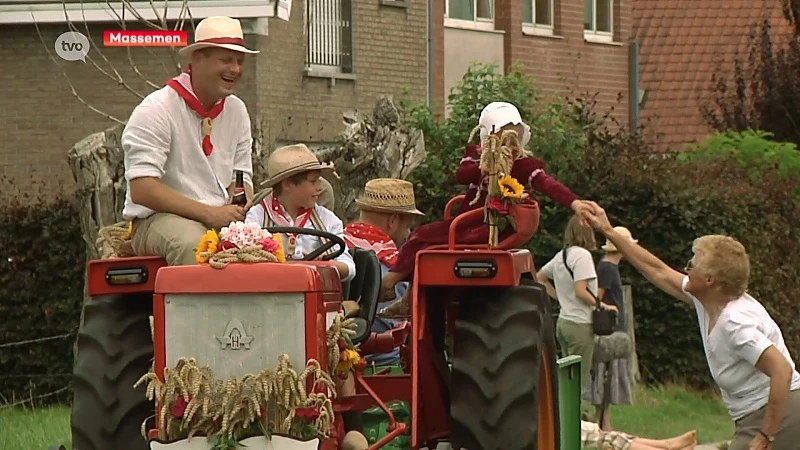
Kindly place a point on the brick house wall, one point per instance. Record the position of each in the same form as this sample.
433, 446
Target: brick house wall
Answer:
42, 119
563, 58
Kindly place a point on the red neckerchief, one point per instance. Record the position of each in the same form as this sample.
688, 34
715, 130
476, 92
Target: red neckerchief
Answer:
182, 85
276, 212
369, 237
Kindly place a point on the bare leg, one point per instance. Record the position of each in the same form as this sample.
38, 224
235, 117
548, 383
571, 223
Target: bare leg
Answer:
606, 425
684, 441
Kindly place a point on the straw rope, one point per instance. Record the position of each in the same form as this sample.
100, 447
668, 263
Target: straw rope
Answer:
114, 241
249, 254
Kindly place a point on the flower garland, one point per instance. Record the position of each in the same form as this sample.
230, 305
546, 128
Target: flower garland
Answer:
239, 242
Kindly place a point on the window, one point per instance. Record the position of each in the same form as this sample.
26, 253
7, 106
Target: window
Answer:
598, 17
52, 11
330, 43
474, 10
538, 13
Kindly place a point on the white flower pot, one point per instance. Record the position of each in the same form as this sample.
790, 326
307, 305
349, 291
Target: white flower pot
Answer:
253, 443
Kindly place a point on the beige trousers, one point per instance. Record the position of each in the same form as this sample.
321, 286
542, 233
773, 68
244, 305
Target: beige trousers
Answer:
171, 237
787, 438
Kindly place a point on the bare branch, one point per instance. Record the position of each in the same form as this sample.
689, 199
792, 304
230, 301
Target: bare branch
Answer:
116, 77
74, 92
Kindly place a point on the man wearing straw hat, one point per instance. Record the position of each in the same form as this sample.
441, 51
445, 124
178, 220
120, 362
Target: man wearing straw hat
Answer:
182, 145
388, 209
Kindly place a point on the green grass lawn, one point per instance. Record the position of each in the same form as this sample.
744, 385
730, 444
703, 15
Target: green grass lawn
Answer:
657, 413
668, 411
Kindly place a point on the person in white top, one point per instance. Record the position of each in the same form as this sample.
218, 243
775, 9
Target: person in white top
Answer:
295, 178
182, 145
744, 346
571, 285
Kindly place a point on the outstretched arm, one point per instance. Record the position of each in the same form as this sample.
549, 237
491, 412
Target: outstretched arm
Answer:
656, 271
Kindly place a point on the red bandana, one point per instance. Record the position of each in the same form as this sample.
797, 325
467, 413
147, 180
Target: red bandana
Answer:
273, 208
193, 103
368, 237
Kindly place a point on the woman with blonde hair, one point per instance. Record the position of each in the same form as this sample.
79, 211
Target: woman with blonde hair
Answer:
573, 274
744, 346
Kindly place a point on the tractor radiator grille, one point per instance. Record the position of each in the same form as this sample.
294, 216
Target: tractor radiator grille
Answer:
235, 334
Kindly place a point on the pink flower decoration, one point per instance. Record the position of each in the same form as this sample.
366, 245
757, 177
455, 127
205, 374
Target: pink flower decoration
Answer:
498, 205
268, 244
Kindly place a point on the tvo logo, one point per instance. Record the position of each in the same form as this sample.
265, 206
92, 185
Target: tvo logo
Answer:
72, 46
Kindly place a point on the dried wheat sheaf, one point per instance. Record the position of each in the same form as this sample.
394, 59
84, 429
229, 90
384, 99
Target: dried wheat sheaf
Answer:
215, 407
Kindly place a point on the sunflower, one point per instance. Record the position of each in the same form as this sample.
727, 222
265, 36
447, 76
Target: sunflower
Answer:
279, 252
208, 244
510, 187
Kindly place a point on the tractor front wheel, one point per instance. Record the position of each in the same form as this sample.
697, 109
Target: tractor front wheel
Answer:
115, 349
501, 337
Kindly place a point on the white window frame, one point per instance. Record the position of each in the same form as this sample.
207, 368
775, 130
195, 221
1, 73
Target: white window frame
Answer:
477, 23
341, 70
52, 11
536, 28
593, 35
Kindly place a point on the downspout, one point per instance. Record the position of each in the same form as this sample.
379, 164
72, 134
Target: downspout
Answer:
633, 86
429, 53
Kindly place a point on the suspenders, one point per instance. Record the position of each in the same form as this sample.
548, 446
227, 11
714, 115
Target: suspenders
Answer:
315, 221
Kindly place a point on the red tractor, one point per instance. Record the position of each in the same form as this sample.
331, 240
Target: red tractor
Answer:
501, 392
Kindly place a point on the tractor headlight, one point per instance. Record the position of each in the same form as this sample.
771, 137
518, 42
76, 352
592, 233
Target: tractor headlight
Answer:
476, 268
116, 277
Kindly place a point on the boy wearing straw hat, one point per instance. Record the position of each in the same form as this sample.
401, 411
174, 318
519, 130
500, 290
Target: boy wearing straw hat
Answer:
388, 209
182, 145
294, 176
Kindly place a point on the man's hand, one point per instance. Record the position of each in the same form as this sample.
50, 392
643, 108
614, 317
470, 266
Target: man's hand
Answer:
222, 216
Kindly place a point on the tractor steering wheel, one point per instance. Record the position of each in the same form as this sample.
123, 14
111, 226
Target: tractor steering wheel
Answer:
332, 240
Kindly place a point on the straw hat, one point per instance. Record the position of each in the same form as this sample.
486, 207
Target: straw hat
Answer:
609, 247
498, 114
389, 195
291, 160
218, 31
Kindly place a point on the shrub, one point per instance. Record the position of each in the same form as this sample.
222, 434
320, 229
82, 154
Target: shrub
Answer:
41, 283
753, 150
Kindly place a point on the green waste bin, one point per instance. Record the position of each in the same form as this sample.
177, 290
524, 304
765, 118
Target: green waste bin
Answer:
376, 423
569, 401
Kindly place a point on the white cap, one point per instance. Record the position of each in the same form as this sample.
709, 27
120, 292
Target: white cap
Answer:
498, 114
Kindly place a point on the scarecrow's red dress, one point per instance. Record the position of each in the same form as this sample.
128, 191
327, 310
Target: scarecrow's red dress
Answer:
528, 171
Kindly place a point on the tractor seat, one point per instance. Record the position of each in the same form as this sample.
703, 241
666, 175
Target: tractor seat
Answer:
361, 293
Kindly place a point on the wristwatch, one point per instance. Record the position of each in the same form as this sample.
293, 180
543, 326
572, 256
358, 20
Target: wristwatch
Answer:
770, 439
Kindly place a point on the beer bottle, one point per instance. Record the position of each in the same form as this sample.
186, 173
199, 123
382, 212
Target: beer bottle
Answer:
239, 195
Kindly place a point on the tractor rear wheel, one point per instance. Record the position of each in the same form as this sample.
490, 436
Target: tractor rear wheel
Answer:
115, 349
500, 337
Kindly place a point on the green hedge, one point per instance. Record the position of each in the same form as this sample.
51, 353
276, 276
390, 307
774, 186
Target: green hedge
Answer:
41, 285
665, 200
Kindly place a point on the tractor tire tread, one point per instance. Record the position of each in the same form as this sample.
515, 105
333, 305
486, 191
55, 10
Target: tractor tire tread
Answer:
115, 349
496, 360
